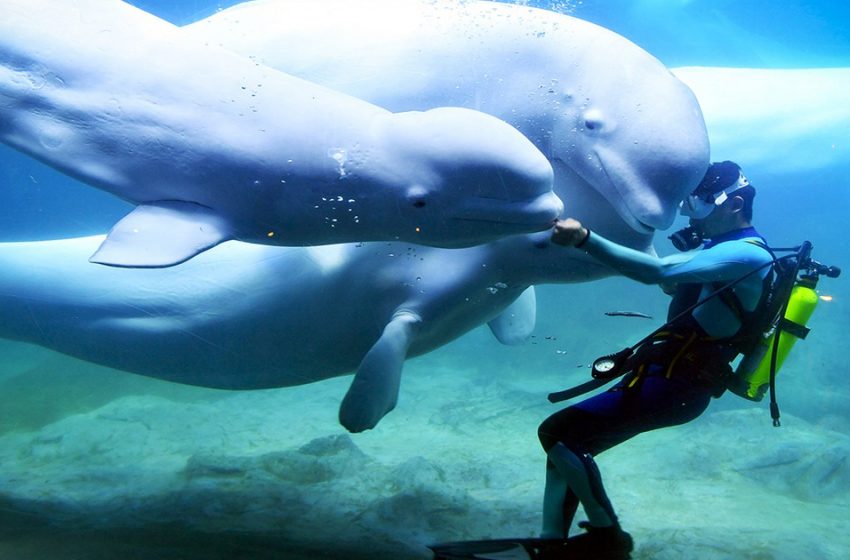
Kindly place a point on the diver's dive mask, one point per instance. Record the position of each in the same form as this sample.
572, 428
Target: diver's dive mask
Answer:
707, 196
721, 179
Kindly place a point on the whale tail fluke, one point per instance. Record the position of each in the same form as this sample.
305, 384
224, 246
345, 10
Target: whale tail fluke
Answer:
161, 234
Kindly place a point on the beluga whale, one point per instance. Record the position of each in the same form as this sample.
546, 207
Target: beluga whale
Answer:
210, 145
608, 115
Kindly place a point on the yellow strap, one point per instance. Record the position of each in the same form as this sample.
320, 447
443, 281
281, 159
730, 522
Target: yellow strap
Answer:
681, 351
637, 377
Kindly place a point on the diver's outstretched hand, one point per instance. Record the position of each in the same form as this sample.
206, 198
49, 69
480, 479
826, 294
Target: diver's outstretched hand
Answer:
569, 232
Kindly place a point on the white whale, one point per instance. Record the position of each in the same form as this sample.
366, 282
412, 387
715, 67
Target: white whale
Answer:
247, 316
603, 110
212, 146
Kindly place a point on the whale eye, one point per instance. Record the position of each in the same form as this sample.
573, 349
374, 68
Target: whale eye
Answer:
593, 120
417, 196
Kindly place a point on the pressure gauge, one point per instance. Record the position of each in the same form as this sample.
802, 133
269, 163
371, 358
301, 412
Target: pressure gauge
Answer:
610, 366
604, 365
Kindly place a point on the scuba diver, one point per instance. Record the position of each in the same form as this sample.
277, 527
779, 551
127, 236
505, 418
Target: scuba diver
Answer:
669, 380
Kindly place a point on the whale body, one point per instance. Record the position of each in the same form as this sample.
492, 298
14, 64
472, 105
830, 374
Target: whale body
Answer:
607, 114
249, 316
212, 146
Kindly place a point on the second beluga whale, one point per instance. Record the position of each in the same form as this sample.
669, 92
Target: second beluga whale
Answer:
211, 146
247, 316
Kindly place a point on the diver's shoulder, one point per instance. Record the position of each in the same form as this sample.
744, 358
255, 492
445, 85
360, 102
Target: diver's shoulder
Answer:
751, 248
755, 246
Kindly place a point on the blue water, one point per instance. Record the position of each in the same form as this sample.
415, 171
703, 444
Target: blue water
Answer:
709, 32
757, 33
39, 203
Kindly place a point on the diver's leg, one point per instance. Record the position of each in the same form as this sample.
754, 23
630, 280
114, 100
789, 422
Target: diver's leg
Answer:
565, 436
603, 421
572, 436
582, 477
559, 505
571, 477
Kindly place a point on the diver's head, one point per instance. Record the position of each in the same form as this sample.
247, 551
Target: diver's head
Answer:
723, 201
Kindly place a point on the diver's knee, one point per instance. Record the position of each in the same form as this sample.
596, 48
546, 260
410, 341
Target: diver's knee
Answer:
547, 436
562, 427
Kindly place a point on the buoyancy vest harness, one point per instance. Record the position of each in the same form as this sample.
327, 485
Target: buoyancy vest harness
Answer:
764, 339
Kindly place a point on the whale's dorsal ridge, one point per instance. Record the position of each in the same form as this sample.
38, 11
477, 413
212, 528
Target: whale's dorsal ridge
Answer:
161, 234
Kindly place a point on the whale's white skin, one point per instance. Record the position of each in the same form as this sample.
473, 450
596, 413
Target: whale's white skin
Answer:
213, 146
600, 108
248, 316
785, 120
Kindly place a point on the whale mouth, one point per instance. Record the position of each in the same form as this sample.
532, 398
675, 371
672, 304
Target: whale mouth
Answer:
534, 214
642, 227
624, 188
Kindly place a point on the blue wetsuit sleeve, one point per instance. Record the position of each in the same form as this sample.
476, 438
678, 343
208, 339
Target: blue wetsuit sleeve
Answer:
723, 262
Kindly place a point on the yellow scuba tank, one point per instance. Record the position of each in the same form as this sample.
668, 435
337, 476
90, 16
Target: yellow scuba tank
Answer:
752, 377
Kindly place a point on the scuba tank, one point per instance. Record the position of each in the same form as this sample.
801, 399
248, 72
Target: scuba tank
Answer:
752, 377
790, 305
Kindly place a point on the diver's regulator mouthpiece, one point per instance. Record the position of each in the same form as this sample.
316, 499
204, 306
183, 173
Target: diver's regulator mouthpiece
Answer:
686, 239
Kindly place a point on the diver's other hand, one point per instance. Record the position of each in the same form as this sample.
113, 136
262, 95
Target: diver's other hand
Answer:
569, 232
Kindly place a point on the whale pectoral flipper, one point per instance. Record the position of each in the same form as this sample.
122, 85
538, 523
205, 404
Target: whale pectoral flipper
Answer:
374, 391
161, 234
515, 324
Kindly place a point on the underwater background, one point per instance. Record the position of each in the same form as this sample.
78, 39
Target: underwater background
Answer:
98, 463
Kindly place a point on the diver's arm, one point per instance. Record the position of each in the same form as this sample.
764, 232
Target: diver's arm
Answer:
723, 262
634, 264
628, 262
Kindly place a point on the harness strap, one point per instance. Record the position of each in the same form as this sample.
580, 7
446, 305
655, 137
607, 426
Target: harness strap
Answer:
639, 370
679, 354
579, 390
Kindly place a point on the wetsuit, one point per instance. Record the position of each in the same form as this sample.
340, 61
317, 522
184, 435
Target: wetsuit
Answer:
669, 383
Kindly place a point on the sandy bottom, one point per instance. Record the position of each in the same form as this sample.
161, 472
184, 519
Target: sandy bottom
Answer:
140, 469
